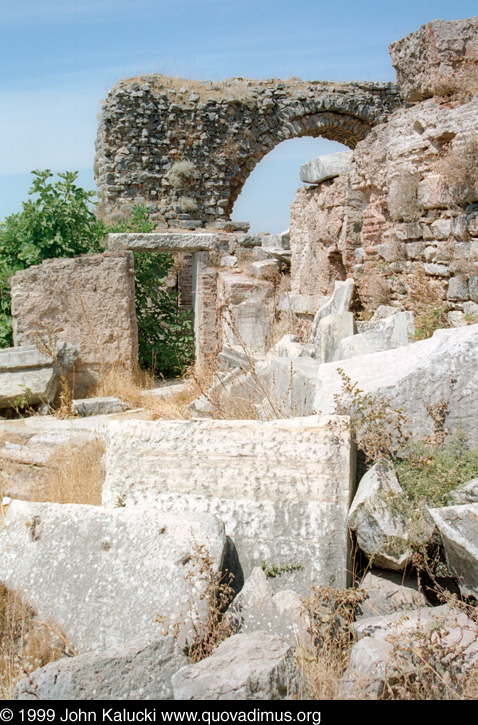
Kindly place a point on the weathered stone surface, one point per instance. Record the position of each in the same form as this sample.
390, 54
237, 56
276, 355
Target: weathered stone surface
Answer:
256, 607
386, 645
465, 493
99, 406
232, 126
433, 55
368, 669
329, 333
458, 527
276, 241
282, 488
444, 367
406, 192
250, 311
27, 373
290, 383
86, 300
265, 269
302, 304
325, 167
382, 531
337, 304
136, 671
163, 242
288, 346
389, 592
256, 666
205, 306
317, 234
107, 577
384, 334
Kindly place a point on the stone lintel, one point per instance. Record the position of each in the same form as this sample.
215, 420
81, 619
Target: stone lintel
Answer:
163, 242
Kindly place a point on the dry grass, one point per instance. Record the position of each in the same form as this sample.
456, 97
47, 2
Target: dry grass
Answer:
458, 165
426, 663
76, 475
240, 89
373, 287
25, 643
131, 389
425, 300
324, 659
459, 84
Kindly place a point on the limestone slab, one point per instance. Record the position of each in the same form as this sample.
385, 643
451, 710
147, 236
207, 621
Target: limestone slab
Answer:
26, 372
88, 301
106, 577
329, 333
384, 334
458, 527
163, 242
325, 167
256, 666
256, 607
99, 406
444, 367
137, 671
337, 303
380, 527
281, 487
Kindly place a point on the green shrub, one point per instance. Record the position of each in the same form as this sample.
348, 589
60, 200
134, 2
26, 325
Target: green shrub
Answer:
429, 473
61, 222
166, 336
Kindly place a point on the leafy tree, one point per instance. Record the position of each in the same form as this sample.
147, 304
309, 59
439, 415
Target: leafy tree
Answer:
60, 222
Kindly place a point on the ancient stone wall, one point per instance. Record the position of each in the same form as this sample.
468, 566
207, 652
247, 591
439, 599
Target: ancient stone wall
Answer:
404, 220
186, 148
409, 206
86, 300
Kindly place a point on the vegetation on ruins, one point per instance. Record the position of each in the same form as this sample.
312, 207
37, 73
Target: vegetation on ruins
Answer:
166, 337
60, 221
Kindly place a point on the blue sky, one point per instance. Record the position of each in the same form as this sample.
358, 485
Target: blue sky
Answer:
59, 58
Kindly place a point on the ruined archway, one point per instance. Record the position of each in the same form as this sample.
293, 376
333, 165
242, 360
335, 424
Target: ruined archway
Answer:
186, 148
272, 185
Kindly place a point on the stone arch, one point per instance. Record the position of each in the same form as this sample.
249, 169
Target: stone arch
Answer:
347, 130
221, 131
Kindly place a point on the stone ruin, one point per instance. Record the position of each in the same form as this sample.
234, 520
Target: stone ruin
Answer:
375, 228
186, 148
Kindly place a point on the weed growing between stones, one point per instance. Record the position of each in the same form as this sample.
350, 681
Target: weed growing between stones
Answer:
373, 288
378, 429
429, 472
250, 396
25, 644
459, 85
272, 570
427, 666
324, 659
45, 342
457, 165
210, 629
425, 300
75, 475
435, 662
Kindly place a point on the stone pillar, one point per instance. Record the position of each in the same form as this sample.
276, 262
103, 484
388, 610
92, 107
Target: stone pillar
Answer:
204, 296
